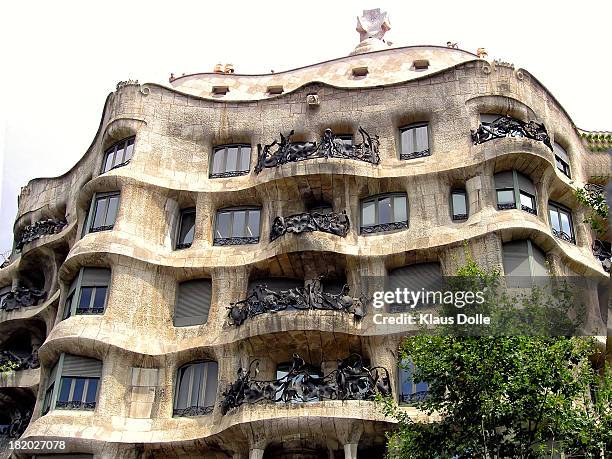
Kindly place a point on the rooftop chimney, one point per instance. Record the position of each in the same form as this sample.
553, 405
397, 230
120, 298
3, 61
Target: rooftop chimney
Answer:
372, 26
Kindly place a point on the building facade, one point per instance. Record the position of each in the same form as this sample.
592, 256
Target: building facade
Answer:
197, 284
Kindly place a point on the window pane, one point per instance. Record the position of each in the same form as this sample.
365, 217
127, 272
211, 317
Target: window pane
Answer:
421, 387
232, 159
92, 390
399, 209
245, 159
554, 219
565, 223
459, 204
368, 216
253, 223
211, 384
527, 201
187, 227
183, 387
108, 162
422, 139
505, 196
129, 150
79, 385
112, 210
118, 155
64, 390
239, 224
85, 300
197, 384
408, 141
218, 157
223, 224
100, 212
100, 297
384, 211
405, 381
68, 306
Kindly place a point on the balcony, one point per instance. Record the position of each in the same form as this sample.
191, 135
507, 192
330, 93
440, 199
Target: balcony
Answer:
39, 229
331, 222
602, 251
505, 126
22, 297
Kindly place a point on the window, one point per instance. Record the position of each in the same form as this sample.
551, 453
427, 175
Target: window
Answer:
415, 278
459, 207
73, 384
193, 302
523, 261
410, 391
118, 155
196, 389
4, 292
88, 292
186, 228
230, 161
237, 226
102, 213
561, 159
515, 191
384, 213
414, 141
561, 222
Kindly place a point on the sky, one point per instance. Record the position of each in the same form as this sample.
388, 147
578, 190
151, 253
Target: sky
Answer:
62, 58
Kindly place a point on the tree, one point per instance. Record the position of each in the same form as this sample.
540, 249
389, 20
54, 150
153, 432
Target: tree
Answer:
505, 396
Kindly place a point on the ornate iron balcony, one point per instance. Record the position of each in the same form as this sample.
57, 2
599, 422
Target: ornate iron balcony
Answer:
457, 217
75, 405
22, 297
329, 147
528, 209
17, 427
415, 154
506, 126
369, 229
411, 399
39, 229
506, 206
193, 411
602, 251
235, 240
333, 223
263, 300
563, 235
183, 245
7, 358
227, 174
351, 381
101, 228
89, 311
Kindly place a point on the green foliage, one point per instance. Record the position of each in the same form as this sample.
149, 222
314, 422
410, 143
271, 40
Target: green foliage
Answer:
8, 365
598, 216
506, 396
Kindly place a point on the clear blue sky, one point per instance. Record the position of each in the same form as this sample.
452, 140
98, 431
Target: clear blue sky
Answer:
61, 59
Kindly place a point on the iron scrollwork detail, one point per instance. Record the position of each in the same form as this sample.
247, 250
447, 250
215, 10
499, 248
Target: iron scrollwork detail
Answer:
415, 154
352, 380
17, 426
263, 300
506, 126
414, 398
18, 363
223, 241
39, 229
369, 229
329, 147
333, 223
563, 235
603, 252
22, 297
75, 405
193, 411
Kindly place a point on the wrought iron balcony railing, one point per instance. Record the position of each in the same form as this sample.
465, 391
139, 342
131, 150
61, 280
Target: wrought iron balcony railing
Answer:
415, 154
235, 240
263, 300
75, 405
228, 174
22, 297
39, 229
563, 235
506, 126
602, 251
414, 398
369, 229
279, 153
352, 380
506, 206
193, 411
333, 223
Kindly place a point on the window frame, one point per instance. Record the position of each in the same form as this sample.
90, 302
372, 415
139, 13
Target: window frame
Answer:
74, 296
88, 227
405, 156
112, 150
414, 396
208, 409
378, 227
565, 166
519, 281
518, 192
237, 240
229, 173
455, 216
561, 209
178, 245
81, 404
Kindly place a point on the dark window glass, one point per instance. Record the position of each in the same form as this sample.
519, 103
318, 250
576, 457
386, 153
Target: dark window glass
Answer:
99, 297
561, 159
104, 212
237, 226
385, 212
459, 205
118, 154
515, 191
561, 222
230, 161
410, 391
68, 306
92, 390
47, 400
414, 141
86, 295
186, 229
64, 394
79, 385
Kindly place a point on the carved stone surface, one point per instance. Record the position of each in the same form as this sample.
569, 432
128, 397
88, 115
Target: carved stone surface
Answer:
23, 297
27, 363
329, 147
263, 300
351, 381
505, 126
333, 223
602, 251
16, 428
39, 229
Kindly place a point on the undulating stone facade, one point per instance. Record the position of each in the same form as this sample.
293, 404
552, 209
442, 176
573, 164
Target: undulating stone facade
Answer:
127, 402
